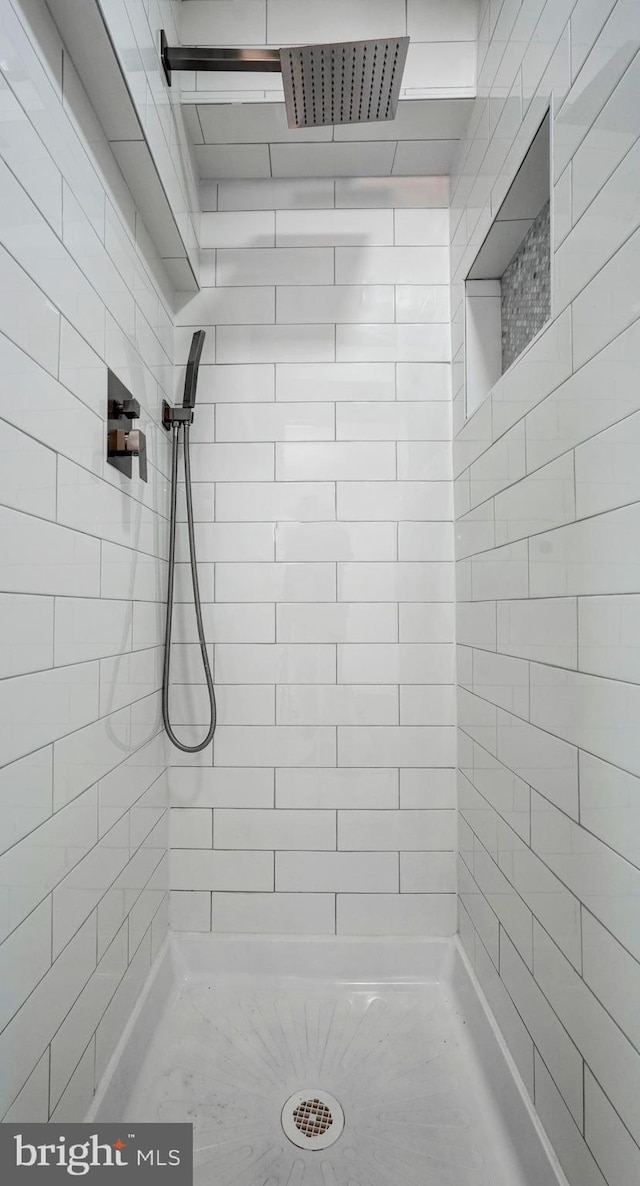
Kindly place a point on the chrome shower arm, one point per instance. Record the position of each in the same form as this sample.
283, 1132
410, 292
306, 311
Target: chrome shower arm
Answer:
204, 57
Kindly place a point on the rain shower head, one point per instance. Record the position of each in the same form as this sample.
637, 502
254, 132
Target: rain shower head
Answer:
345, 83
191, 377
340, 83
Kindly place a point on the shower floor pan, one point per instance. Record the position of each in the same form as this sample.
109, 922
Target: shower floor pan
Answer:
326, 1063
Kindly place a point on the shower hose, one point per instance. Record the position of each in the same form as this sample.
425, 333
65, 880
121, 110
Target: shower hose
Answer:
187, 749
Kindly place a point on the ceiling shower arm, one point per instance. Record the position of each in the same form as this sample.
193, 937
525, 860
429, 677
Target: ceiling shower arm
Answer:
204, 57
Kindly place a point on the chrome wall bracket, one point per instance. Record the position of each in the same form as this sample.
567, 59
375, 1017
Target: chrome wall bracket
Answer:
171, 415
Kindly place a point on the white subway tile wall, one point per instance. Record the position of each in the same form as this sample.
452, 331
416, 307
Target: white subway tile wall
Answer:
324, 504
548, 575
324, 500
83, 793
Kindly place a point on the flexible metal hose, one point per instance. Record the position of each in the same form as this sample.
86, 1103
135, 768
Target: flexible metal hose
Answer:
187, 749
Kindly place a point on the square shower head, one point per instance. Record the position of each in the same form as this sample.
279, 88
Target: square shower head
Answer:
344, 83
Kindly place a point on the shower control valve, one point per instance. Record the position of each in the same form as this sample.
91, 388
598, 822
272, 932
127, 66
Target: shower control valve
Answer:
129, 444
123, 441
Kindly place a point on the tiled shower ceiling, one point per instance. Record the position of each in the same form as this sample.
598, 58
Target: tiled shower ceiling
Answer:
252, 140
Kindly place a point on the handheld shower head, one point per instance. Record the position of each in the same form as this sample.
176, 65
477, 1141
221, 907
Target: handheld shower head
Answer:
175, 417
191, 378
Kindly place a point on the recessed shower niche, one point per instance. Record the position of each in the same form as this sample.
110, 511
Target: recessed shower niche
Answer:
508, 287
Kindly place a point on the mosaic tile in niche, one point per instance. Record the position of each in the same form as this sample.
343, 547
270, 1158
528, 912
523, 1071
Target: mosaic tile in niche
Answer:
526, 289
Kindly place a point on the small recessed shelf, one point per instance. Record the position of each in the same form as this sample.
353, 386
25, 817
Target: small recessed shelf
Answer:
508, 287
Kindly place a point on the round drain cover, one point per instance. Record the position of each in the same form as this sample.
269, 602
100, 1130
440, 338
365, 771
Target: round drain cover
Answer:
312, 1119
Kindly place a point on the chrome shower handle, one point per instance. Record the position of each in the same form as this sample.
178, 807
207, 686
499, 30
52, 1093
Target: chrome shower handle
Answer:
129, 444
136, 444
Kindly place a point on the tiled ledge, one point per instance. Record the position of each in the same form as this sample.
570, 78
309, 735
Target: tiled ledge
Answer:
84, 29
